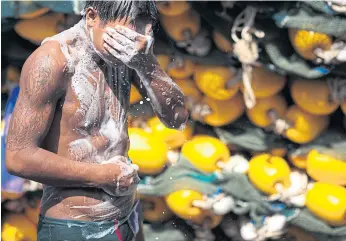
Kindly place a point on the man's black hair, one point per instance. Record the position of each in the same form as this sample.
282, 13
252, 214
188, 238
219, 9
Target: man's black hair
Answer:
114, 9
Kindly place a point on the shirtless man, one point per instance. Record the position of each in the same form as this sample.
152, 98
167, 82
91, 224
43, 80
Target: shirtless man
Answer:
69, 127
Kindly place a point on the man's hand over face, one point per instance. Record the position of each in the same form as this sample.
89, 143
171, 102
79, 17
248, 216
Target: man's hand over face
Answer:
128, 46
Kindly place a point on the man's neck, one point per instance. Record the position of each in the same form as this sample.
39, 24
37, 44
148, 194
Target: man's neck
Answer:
91, 49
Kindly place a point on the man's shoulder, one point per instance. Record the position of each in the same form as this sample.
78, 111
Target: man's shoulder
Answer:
46, 62
49, 49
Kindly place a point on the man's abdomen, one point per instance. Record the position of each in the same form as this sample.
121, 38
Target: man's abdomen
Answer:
88, 204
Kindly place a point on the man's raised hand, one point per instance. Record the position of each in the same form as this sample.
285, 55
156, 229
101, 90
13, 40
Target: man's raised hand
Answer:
128, 46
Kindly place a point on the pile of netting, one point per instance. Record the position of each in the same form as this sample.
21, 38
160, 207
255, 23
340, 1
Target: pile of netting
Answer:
263, 156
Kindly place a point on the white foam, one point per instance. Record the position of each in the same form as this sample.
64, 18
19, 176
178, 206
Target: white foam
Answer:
98, 108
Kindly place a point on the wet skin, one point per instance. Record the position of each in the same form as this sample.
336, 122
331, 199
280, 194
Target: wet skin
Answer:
45, 120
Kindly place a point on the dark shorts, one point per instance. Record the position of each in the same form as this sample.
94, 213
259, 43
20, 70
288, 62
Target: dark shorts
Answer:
52, 229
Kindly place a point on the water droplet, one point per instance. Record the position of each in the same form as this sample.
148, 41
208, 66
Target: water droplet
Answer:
148, 99
168, 101
141, 102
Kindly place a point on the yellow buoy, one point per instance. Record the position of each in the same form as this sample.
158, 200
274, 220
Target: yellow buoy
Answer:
213, 81
173, 138
190, 90
37, 29
135, 96
304, 126
31, 14
17, 227
204, 152
180, 68
313, 97
180, 202
33, 212
147, 151
172, 8
222, 112
343, 107
328, 202
265, 83
183, 27
307, 42
298, 161
222, 43
155, 208
164, 61
260, 114
324, 168
265, 171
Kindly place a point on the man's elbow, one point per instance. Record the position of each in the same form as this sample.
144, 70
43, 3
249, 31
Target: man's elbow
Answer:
14, 164
178, 121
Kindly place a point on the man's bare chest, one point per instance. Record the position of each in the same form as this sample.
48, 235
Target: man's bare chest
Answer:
98, 97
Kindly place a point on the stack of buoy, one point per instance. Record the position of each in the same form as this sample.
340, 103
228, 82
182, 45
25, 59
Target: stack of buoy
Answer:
306, 175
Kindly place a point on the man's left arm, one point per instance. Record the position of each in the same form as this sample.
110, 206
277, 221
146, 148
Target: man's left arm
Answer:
136, 51
165, 96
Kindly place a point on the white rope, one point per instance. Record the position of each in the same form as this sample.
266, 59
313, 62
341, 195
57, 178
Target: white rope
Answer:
295, 194
279, 126
173, 157
337, 5
219, 204
273, 227
246, 50
335, 55
31, 186
200, 111
236, 164
243, 22
249, 95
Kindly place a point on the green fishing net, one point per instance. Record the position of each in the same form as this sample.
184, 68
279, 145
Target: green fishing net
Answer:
305, 18
167, 232
249, 137
332, 142
183, 175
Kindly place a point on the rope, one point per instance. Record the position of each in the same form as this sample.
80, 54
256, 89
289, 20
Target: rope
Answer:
337, 5
279, 126
273, 227
200, 111
335, 55
31, 186
295, 194
173, 157
219, 203
246, 50
236, 163
249, 95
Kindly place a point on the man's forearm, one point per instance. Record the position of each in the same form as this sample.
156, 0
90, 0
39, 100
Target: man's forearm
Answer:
50, 169
165, 96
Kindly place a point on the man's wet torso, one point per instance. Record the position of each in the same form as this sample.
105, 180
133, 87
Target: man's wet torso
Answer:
89, 125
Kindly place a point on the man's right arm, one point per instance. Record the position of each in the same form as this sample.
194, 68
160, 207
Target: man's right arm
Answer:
41, 86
